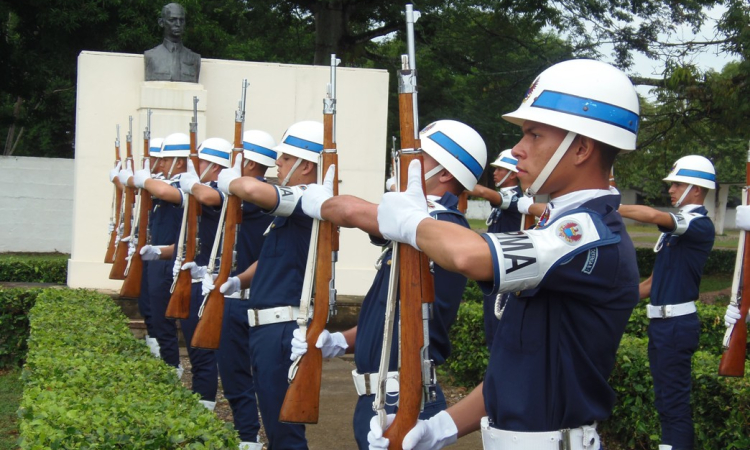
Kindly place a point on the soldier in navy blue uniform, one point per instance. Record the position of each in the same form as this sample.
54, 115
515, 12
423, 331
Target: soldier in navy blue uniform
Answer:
165, 219
452, 165
278, 274
674, 329
233, 354
573, 280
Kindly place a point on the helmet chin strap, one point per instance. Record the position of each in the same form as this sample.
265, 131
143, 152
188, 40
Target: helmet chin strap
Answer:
291, 171
205, 172
434, 171
500, 183
171, 168
682, 197
551, 164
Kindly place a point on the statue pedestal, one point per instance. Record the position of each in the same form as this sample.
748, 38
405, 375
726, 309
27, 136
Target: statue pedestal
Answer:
171, 104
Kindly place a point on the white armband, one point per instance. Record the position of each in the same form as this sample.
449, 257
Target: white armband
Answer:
682, 221
287, 199
523, 258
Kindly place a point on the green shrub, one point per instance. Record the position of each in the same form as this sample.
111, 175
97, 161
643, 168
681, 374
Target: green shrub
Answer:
469, 355
472, 293
88, 383
34, 268
719, 261
14, 325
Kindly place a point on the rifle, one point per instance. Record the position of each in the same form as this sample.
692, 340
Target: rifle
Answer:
302, 400
732, 362
207, 333
187, 247
131, 287
416, 286
121, 253
109, 257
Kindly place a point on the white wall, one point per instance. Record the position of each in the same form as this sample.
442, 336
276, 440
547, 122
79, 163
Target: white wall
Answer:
111, 88
36, 204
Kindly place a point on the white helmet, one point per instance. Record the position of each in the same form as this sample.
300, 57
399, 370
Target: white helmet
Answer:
217, 151
693, 169
586, 97
176, 145
258, 146
458, 148
506, 160
154, 147
303, 140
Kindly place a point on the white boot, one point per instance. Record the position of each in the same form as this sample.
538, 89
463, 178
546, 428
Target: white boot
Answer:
179, 370
251, 446
665, 447
153, 345
209, 405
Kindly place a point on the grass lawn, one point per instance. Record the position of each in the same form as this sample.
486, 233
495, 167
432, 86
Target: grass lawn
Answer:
10, 398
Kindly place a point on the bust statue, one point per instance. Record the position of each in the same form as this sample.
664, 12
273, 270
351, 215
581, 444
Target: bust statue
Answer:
171, 61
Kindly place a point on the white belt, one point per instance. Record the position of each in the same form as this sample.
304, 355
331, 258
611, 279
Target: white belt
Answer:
367, 383
257, 317
583, 438
242, 294
667, 311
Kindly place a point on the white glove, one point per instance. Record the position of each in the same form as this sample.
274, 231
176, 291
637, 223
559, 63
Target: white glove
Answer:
189, 178
196, 272
113, 172
299, 344
140, 177
331, 345
524, 203
226, 176
742, 219
507, 197
131, 246
436, 432
230, 286
400, 213
126, 173
111, 227
207, 285
390, 184
316, 194
176, 268
733, 315
150, 253
375, 436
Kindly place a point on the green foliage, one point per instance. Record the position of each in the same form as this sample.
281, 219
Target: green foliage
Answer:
472, 293
469, 357
34, 269
89, 384
14, 325
10, 396
718, 262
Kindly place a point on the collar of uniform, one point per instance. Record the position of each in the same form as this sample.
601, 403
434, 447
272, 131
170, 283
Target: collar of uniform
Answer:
449, 200
689, 208
573, 200
172, 46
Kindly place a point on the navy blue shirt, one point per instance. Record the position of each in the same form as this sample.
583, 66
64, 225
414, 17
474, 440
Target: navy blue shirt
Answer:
165, 221
555, 346
209, 221
250, 239
449, 288
505, 220
679, 262
282, 262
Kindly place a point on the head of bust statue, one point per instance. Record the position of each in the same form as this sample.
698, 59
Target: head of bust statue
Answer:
172, 20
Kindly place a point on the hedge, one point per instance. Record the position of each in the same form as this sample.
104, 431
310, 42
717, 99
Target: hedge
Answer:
27, 268
719, 261
88, 383
14, 325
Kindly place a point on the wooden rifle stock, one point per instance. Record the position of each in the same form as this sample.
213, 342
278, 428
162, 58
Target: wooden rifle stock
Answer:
302, 400
120, 262
109, 257
207, 333
179, 302
732, 362
131, 287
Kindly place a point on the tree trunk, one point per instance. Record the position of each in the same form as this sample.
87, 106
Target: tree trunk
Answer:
11, 140
331, 23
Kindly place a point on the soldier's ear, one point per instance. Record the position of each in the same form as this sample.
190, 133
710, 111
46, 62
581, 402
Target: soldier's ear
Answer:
160, 21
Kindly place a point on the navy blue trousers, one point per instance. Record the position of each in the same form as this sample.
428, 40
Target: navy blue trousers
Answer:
235, 369
144, 303
270, 349
363, 413
159, 274
671, 344
205, 371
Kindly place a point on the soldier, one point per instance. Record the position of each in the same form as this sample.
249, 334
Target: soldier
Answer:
573, 280
275, 294
674, 329
233, 355
446, 177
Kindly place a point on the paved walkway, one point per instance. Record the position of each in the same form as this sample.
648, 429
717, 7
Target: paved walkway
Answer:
337, 401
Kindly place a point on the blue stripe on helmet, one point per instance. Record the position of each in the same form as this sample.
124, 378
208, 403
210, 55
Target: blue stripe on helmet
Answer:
696, 174
176, 147
512, 161
303, 144
154, 149
213, 152
258, 149
588, 108
458, 152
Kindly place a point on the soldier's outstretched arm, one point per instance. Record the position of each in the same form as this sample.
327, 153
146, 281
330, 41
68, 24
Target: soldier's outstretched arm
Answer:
252, 190
647, 214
